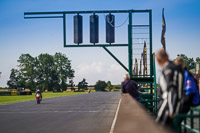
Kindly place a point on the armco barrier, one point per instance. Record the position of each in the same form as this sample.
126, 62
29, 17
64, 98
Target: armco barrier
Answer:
25, 93
5, 93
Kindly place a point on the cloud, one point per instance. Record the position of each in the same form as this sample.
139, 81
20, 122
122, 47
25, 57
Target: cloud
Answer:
96, 67
99, 71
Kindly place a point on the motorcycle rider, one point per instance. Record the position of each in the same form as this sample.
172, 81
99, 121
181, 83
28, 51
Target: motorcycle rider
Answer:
39, 92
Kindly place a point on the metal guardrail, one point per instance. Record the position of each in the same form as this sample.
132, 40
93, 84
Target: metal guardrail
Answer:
185, 122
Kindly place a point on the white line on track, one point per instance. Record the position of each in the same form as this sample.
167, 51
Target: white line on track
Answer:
115, 119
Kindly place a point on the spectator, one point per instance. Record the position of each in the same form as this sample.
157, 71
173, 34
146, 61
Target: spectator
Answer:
130, 86
171, 89
191, 97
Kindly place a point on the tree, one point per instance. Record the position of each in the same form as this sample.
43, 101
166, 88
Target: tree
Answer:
189, 62
13, 81
27, 71
109, 85
44, 72
198, 60
62, 66
82, 85
100, 85
71, 83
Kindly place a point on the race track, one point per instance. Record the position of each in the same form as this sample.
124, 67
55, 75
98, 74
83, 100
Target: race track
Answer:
85, 113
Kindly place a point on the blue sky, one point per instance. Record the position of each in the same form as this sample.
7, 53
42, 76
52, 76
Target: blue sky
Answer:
36, 36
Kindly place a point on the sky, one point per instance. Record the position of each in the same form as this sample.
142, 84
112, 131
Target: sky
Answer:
35, 36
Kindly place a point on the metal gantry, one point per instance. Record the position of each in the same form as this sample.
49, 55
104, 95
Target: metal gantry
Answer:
150, 79
62, 15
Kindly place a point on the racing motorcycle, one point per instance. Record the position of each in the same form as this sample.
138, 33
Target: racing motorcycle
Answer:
38, 98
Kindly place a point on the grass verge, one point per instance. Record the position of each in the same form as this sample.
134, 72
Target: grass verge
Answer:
21, 98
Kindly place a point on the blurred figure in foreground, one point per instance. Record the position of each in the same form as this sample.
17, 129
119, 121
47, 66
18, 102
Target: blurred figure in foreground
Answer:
191, 97
171, 89
130, 86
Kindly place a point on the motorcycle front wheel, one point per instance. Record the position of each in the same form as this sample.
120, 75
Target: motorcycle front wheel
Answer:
38, 101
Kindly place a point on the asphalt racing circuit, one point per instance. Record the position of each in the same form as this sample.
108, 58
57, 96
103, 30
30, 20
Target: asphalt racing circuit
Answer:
85, 113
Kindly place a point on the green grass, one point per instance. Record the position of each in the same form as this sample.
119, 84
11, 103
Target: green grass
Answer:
21, 98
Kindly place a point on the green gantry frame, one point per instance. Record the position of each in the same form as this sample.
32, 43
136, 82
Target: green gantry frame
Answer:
150, 99
62, 15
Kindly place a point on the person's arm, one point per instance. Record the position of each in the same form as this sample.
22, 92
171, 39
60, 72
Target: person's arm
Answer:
123, 87
171, 76
172, 101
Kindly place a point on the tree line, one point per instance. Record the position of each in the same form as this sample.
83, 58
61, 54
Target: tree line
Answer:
189, 62
99, 86
44, 72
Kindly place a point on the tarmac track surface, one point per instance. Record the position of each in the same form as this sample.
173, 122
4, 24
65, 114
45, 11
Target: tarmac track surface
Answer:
85, 113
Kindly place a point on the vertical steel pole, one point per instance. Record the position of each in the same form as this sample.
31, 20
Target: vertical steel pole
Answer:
64, 30
130, 43
150, 39
191, 119
155, 85
185, 123
150, 53
199, 122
